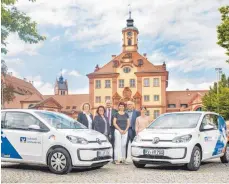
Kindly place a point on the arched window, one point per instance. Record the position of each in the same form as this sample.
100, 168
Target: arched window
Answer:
129, 42
199, 109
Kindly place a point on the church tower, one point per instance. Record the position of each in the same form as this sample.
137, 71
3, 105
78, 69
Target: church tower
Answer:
130, 36
61, 86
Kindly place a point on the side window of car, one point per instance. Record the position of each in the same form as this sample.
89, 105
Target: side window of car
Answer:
20, 120
3, 119
210, 119
215, 120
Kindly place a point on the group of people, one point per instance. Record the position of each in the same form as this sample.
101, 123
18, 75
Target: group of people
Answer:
119, 126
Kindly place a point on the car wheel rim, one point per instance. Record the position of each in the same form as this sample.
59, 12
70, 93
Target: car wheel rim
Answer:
58, 161
227, 152
197, 158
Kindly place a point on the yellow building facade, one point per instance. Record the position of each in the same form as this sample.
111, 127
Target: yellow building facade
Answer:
130, 76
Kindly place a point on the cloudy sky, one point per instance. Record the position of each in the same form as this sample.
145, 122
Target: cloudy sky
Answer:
83, 33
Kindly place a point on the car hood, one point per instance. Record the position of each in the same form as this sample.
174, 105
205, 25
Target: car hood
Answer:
90, 135
164, 134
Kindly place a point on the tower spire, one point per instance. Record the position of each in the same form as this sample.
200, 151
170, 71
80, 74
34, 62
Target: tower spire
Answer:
129, 7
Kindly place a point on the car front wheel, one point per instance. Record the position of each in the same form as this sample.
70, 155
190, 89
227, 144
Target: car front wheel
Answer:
138, 165
225, 157
59, 161
195, 160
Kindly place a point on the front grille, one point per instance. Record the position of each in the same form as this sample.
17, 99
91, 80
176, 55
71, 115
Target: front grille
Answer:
154, 157
101, 158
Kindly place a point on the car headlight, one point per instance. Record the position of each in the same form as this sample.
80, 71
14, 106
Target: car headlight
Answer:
137, 138
76, 140
182, 139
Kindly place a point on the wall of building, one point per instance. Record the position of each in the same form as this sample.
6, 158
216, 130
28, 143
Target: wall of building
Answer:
102, 92
126, 77
151, 91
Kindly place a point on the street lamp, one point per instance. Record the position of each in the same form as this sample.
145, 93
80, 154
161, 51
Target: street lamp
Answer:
3, 86
218, 74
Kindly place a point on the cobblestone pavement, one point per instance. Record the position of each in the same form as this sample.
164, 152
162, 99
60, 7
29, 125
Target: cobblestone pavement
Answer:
210, 172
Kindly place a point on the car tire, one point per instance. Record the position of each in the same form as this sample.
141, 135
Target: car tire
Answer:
59, 161
225, 157
195, 160
138, 165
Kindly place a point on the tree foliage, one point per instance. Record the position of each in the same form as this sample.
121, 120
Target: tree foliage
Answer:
218, 102
8, 93
14, 21
223, 29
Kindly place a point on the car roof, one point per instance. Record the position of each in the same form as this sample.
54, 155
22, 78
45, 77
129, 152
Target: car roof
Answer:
193, 112
22, 110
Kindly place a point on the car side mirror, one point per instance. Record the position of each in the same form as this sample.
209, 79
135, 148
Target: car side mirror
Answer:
34, 127
208, 127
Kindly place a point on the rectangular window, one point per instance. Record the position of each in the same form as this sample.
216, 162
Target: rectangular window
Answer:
184, 105
147, 113
97, 84
107, 98
132, 83
98, 99
156, 113
73, 107
68, 107
156, 97
156, 82
121, 83
107, 84
146, 82
146, 98
172, 106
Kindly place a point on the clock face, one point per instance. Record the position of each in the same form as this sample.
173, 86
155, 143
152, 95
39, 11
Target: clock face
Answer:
129, 33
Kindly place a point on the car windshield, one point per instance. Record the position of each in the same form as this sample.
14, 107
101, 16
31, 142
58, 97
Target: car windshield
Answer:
176, 121
60, 121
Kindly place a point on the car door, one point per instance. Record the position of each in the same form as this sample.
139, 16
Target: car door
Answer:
20, 141
222, 137
209, 137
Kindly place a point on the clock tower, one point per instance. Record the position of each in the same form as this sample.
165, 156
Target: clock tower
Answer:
130, 36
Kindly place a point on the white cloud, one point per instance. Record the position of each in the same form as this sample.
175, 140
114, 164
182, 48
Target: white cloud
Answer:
16, 46
84, 90
74, 73
13, 61
55, 38
14, 73
177, 84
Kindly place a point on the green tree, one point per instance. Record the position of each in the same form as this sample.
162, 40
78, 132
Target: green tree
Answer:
223, 29
218, 102
14, 21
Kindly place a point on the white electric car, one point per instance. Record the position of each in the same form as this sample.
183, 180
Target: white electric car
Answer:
53, 139
182, 138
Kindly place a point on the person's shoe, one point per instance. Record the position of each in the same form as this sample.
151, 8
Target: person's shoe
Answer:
117, 163
125, 162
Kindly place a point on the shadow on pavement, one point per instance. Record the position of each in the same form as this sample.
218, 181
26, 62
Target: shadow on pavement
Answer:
41, 168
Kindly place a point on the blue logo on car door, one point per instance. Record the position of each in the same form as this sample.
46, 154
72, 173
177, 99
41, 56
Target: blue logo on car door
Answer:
8, 151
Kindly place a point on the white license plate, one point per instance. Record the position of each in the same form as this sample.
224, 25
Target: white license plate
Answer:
154, 152
103, 153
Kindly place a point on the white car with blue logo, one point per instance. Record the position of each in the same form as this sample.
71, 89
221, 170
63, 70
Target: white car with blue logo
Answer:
182, 138
53, 139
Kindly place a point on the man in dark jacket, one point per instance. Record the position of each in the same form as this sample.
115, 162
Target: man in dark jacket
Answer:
133, 114
110, 112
